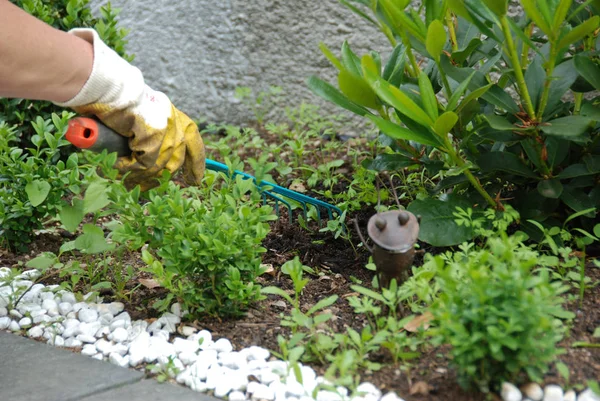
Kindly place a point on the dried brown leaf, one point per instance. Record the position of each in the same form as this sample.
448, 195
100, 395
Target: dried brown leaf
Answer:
421, 321
149, 283
420, 387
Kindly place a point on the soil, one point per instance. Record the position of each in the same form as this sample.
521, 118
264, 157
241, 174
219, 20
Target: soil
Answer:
339, 266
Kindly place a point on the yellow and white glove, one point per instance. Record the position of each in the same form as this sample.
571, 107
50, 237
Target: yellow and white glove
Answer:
160, 136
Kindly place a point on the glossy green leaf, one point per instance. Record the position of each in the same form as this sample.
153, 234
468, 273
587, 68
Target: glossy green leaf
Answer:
519, 32
350, 60
37, 191
560, 14
458, 92
567, 127
330, 93
532, 12
551, 188
504, 161
590, 111
277, 291
592, 162
589, 70
358, 12
397, 132
535, 78
445, 123
72, 216
332, 59
476, 94
575, 170
322, 304
501, 123
498, 7
438, 226
394, 96
96, 197
428, 96
578, 200
597, 234
436, 39
579, 32
357, 90
395, 12
390, 162
43, 262
395, 63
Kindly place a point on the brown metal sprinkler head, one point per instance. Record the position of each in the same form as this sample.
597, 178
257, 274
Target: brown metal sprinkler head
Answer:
395, 234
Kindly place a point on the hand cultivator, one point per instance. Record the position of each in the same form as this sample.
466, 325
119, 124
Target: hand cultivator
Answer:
88, 133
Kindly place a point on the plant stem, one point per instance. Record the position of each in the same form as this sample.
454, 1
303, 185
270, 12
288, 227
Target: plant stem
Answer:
525, 51
472, 179
388, 34
582, 278
514, 58
445, 82
452, 31
578, 101
411, 56
549, 72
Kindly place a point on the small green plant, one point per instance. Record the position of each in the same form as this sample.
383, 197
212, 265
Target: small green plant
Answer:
262, 103
204, 243
33, 181
500, 315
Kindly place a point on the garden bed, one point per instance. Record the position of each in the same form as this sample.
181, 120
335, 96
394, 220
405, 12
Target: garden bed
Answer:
337, 266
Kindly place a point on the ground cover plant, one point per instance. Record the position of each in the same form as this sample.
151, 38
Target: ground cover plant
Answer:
514, 299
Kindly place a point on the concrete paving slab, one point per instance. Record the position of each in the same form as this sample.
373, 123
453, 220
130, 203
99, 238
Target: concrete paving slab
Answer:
34, 371
150, 390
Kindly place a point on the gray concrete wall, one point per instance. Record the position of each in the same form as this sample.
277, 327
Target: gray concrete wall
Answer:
199, 51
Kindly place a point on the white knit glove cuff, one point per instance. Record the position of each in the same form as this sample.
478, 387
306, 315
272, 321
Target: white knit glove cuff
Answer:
113, 80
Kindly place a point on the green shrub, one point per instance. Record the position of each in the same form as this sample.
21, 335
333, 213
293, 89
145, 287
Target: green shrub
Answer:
498, 313
206, 241
33, 183
443, 102
64, 15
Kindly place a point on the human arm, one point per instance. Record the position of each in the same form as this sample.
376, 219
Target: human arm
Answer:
40, 62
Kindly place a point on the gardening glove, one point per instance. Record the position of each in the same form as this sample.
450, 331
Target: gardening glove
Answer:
160, 136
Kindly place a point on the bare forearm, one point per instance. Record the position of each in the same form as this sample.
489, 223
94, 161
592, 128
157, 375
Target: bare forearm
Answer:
38, 61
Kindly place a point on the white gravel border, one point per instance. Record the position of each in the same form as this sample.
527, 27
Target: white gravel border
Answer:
193, 358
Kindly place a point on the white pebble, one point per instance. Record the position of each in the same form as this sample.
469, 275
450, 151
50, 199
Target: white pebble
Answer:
196, 384
391, 396
64, 308
72, 343
118, 360
57, 341
369, 389
510, 392
262, 392
25, 322
102, 331
89, 350
120, 349
588, 395
106, 318
35, 332
46, 295
164, 334
42, 319
188, 358
257, 353
570, 396
4, 323
182, 345
533, 391
14, 326
98, 356
87, 315
115, 308
236, 396
119, 335
233, 360
104, 346
176, 310
37, 312
16, 314
3, 312
89, 329
69, 297
84, 338
187, 330
79, 306
552, 392
223, 387
203, 337
325, 395
222, 345
49, 302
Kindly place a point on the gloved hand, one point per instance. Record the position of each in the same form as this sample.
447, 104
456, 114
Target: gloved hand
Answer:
160, 136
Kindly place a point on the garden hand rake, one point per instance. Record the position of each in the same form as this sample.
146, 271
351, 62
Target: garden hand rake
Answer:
89, 133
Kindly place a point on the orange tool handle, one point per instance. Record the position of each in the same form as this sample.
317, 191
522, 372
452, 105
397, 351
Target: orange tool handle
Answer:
91, 134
